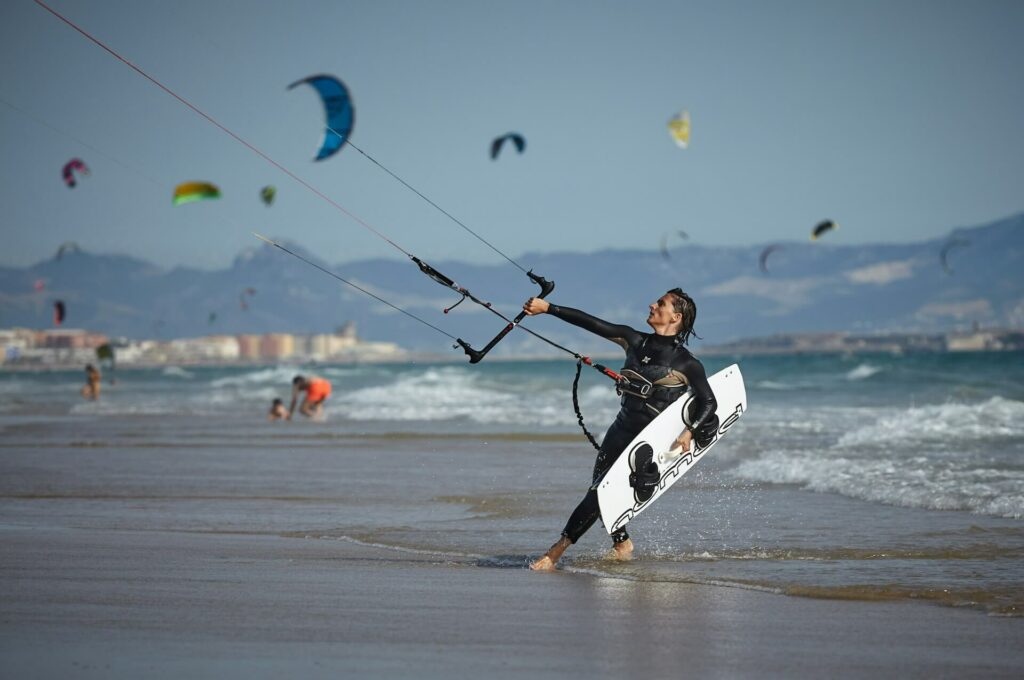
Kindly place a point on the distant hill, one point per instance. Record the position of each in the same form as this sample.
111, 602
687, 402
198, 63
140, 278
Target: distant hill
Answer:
809, 287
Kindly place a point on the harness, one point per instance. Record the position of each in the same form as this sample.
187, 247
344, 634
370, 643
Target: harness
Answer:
636, 387
640, 391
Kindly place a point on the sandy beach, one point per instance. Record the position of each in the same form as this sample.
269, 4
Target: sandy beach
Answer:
90, 603
169, 547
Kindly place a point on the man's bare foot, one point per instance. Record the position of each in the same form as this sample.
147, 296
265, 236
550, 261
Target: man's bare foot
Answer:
551, 557
622, 551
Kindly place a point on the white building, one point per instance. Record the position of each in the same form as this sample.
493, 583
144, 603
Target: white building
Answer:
209, 348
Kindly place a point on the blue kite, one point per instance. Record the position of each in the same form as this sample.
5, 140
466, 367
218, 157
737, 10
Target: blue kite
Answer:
338, 110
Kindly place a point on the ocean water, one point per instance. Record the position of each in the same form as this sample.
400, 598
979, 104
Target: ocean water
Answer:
870, 477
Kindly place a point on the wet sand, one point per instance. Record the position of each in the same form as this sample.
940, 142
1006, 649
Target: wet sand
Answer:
165, 547
127, 603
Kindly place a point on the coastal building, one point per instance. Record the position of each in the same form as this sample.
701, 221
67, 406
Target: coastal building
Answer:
70, 347
69, 338
369, 351
17, 338
50, 347
324, 346
248, 346
134, 352
985, 341
209, 348
277, 346
344, 345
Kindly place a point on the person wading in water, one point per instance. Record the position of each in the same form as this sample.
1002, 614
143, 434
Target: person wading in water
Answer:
659, 359
316, 391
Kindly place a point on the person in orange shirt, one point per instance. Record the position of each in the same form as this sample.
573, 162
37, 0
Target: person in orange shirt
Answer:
317, 390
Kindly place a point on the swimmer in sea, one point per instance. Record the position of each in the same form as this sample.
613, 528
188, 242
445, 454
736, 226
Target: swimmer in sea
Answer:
316, 391
91, 389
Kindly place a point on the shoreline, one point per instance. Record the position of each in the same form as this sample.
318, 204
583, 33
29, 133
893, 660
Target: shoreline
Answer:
711, 351
137, 539
117, 603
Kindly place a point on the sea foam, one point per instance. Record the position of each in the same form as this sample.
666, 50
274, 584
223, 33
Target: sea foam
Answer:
454, 394
994, 418
279, 375
915, 483
863, 371
949, 456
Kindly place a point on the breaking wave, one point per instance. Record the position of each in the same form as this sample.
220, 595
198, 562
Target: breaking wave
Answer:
863, 371
939, 457
454, 394
995, 418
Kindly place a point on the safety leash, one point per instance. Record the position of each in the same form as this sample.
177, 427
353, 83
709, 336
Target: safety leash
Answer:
576, 405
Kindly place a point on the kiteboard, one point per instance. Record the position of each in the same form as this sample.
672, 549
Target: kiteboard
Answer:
618, 500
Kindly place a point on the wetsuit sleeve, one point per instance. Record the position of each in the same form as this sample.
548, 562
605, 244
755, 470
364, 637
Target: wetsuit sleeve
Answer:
706, 405
621, 335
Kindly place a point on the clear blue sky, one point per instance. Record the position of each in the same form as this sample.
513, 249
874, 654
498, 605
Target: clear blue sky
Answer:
898, 119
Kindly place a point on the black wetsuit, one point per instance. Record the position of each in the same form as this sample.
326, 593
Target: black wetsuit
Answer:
671, 369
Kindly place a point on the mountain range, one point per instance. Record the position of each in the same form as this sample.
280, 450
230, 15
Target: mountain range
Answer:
808, 287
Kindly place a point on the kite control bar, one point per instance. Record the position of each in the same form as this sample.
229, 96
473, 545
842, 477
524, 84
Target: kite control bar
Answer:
476, 356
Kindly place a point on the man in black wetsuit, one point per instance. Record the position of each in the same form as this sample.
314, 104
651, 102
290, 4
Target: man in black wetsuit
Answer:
659, 358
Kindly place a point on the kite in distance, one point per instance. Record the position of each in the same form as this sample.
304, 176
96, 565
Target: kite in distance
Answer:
58, 312
338, 110
499, 142
950, 245
763, 260
664, 242
679, 128
69, 171
827, 225
267, 193
66, 247
241, 298
190, 192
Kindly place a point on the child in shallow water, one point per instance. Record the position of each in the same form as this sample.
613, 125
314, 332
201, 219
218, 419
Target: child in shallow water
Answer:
277, 411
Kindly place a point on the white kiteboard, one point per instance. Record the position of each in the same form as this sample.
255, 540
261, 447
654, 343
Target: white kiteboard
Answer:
617, 498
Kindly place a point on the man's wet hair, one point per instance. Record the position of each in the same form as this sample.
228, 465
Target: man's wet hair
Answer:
298, 380
684, 304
